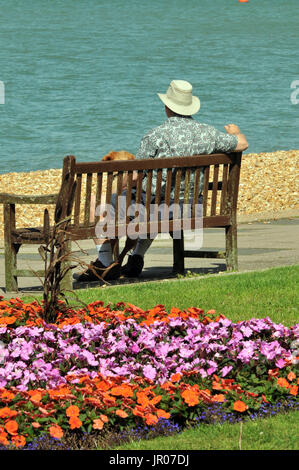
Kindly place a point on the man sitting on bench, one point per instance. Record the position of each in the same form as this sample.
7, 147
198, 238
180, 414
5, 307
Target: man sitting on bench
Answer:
179, 135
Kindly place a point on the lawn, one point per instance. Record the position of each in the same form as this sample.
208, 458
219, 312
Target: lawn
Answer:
276, 433
272, 293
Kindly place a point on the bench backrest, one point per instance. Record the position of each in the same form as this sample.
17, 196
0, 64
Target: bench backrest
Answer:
221, 174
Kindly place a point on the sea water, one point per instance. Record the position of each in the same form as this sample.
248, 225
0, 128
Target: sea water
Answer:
81, 77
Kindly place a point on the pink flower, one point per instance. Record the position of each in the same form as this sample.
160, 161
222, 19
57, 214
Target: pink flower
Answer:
280, 363
246, 331
226, 370
135, 348
149, 372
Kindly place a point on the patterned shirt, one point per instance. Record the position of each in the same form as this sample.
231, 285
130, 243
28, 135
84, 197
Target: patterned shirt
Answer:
179, 136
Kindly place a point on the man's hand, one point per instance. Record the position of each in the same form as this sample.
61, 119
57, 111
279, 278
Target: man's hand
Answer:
242, 141
232, 129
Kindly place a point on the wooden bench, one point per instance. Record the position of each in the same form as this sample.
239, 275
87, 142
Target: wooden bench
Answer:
220, 193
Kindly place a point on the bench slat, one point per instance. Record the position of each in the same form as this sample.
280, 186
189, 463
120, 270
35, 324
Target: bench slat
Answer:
214, 190
129, 193
168, 186
148, 194
109, 187
78, 199
99, 189
87, 198
196, 190
187, 186
118, 192
139, 186
205, 189
223, 188
177, 187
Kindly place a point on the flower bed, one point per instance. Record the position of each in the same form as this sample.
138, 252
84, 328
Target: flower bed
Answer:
104, 367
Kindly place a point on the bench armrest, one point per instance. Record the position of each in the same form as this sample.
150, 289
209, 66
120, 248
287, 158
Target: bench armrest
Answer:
6, 198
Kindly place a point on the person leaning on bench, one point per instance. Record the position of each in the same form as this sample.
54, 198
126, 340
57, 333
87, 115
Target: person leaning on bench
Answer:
179, 135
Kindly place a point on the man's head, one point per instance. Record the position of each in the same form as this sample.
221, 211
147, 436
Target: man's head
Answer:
179, 99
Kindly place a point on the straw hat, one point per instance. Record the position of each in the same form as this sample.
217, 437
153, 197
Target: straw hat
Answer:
179, 98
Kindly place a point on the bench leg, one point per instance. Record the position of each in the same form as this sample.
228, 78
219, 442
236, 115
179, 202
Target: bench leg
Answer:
11, 249
178, 255
115, 250
231, 248
11, 280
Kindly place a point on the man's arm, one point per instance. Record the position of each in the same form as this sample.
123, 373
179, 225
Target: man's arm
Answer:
242, 141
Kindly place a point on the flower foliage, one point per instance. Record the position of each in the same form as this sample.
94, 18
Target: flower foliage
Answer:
103, 367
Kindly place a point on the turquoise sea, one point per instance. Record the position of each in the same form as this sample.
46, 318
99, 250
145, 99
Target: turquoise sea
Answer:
81, 76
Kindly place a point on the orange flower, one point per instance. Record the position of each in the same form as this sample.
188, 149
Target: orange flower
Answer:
7, 413
175, 377
291, 376
3, 438
104, 418
216, 385
98, 424
139, 411
240, 406
11, 426
142, 398
35, 397
75, 422
163, 414
151, 419
175, 311
56, 431
264, 398
35, 425
18, 441
190, 397
122, 390
283, 382
7, 396
102, 385
8, 320
121, 413
156, 400
61, 392
72, 410
294, 390
219, 398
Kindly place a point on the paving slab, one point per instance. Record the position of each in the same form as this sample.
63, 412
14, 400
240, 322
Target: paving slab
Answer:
261, 245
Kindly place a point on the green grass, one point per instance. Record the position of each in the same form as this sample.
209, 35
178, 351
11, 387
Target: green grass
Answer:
277, 433
272, 293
